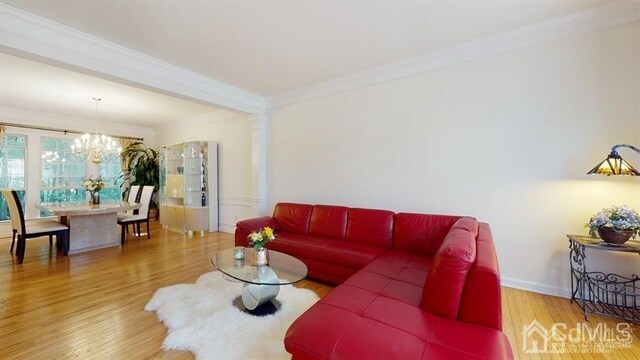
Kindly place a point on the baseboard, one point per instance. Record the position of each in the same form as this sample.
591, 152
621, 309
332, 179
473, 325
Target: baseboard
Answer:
227, 228
537, 287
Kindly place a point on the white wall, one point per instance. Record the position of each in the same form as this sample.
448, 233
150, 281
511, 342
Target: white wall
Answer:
506, 139
232, 132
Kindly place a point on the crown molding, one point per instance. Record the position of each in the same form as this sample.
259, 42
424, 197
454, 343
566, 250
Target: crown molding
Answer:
35, 118
597, 19
30, 35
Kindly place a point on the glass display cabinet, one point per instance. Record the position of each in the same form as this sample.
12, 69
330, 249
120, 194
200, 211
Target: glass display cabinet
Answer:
189, 187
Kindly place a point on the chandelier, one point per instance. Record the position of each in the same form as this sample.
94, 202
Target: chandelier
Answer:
52, 157
96, 146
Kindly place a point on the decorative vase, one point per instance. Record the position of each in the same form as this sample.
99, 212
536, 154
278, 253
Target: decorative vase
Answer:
95, 198
260, 257
153, 213
612, 236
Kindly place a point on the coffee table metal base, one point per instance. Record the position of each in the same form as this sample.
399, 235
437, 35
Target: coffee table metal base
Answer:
270, 307
254, 295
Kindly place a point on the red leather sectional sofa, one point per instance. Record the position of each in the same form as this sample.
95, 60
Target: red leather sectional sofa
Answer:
412, 286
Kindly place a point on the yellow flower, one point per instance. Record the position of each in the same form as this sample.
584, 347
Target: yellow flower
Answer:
268, 232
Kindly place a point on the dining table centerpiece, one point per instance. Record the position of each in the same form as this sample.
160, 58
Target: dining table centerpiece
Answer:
615, 225
259, 239
93, 184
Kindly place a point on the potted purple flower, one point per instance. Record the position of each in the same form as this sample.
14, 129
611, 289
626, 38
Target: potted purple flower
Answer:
615, 225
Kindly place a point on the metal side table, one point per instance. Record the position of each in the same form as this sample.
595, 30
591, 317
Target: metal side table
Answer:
600, 293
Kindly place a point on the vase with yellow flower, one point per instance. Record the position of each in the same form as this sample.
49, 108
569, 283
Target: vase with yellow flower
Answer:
259, 239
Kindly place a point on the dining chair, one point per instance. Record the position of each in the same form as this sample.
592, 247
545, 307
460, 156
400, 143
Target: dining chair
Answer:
124, 220
15, 236
15, 224
26, 230
134, 197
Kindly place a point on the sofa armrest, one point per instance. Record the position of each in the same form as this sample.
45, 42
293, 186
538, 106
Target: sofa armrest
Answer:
481, 299
246, 227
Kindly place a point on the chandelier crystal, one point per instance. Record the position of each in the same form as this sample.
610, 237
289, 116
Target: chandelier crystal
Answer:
96, 146
52, 157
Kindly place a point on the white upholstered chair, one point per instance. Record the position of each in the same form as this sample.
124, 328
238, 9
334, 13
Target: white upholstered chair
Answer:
134, 197
124, 220
26, 230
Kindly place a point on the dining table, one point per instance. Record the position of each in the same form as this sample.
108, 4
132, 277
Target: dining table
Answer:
91, 226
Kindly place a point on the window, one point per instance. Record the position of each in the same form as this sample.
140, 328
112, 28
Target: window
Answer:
110, 170
12, 168
62, 172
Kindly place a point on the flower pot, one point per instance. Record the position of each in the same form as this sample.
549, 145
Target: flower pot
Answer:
153, 213
612, 236
260, 257
94, 198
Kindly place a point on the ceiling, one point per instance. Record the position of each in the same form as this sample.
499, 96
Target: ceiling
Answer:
30, 85
266, 47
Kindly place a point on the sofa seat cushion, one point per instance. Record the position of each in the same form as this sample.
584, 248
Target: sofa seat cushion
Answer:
327, 272
394, 329
401, 265
351, 255
395, 274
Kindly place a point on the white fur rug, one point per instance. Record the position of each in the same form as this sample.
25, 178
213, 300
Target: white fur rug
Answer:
201, 318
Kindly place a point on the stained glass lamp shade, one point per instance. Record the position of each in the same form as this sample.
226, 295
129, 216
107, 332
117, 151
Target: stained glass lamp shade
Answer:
614, 164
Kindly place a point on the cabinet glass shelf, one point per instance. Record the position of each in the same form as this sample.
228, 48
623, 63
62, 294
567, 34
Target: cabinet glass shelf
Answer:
188, 179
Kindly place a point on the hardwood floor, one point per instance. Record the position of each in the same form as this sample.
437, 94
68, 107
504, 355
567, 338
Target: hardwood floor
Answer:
91, 305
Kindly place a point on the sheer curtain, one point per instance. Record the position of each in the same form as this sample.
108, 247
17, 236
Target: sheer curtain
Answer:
124, 165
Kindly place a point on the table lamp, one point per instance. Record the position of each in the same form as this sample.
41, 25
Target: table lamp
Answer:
614, 164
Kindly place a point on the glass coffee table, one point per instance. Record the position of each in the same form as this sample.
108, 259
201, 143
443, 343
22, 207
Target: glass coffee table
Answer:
261, 283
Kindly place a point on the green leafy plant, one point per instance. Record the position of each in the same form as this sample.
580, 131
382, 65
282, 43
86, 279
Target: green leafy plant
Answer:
142, 167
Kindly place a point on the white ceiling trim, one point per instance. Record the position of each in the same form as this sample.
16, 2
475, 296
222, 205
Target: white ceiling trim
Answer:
31, 34
35, 118
27, 33
600, 18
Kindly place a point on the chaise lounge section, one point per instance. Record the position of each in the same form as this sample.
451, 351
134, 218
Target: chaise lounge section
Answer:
411, 286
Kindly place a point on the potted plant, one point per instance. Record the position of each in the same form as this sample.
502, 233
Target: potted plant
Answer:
615, 225
141, 168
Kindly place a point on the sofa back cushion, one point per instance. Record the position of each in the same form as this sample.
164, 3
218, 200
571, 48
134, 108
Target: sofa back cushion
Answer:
481, 300
293, 217
442, 292
328, 221
368, 226
421, 233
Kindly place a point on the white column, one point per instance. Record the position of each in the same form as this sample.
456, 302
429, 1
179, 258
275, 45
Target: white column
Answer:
259, 164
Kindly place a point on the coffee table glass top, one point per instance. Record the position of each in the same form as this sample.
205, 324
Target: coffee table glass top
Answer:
287, 268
